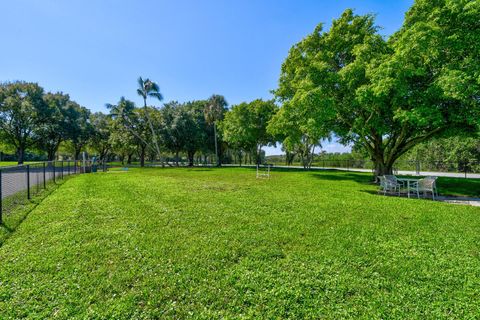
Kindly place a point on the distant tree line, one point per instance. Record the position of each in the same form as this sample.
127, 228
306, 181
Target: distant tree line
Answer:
52, 125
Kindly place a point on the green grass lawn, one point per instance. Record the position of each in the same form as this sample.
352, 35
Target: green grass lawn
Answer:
9, 163
218, 243
15, 163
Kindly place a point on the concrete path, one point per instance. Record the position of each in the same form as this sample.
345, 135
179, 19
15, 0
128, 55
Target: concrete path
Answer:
461, 200
15, 181
400, 172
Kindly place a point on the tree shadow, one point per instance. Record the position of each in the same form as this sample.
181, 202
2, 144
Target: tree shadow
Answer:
373, 192
343, 176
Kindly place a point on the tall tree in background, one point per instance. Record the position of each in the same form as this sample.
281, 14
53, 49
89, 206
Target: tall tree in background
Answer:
142, 120
138, 122
148, 88
52, 132
214, 112
389, 96
78, 128
102, 126
300, 134
245, 126
122, 138
22, 111
196, 133
173, 128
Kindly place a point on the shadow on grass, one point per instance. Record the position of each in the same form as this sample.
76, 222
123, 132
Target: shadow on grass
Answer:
452, 186
459, 187
342, 176
372, 192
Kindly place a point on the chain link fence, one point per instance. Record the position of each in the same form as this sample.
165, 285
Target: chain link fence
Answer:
19, 184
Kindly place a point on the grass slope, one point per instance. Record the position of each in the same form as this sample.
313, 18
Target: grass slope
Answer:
212, 243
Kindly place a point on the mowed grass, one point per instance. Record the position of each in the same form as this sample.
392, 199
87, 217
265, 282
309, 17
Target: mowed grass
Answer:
13, 163
218, 243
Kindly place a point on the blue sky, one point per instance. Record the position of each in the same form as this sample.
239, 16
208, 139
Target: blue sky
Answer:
95, 50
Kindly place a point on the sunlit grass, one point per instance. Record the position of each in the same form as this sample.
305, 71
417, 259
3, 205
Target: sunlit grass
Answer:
218, 243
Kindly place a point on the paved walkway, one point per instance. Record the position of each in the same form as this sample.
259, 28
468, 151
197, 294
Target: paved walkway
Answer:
400, 172
461, 200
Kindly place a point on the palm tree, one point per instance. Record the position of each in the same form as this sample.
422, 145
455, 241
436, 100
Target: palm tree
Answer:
148, 88
214, 112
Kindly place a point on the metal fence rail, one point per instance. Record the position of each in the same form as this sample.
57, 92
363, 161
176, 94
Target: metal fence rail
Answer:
19, 184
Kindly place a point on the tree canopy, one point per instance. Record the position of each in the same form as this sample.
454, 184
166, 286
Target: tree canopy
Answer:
388, 96
245, 125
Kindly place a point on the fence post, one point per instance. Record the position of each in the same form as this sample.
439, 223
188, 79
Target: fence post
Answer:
44, 177
1, 196
53, 168
28, 181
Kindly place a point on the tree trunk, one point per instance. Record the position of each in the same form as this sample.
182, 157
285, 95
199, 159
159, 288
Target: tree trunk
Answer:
20, 154
51, 154
382, 169
216, 146
191, 155
289, 157
176, 158
258, 155
77, 151
129, 158
142, 157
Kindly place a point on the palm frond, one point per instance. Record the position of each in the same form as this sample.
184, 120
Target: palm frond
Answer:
141, 93
140, 82
154, 87
157, 95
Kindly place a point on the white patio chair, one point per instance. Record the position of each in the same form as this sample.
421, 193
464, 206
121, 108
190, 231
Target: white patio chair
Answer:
434, 184
388, 185
393, 180
424, 186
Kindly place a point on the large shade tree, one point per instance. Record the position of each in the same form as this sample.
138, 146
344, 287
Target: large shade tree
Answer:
388, 96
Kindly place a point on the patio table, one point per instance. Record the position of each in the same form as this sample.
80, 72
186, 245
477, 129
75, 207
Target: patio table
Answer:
408, 181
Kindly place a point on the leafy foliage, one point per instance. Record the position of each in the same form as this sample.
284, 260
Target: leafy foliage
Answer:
387, 96
245, 125
22, 111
